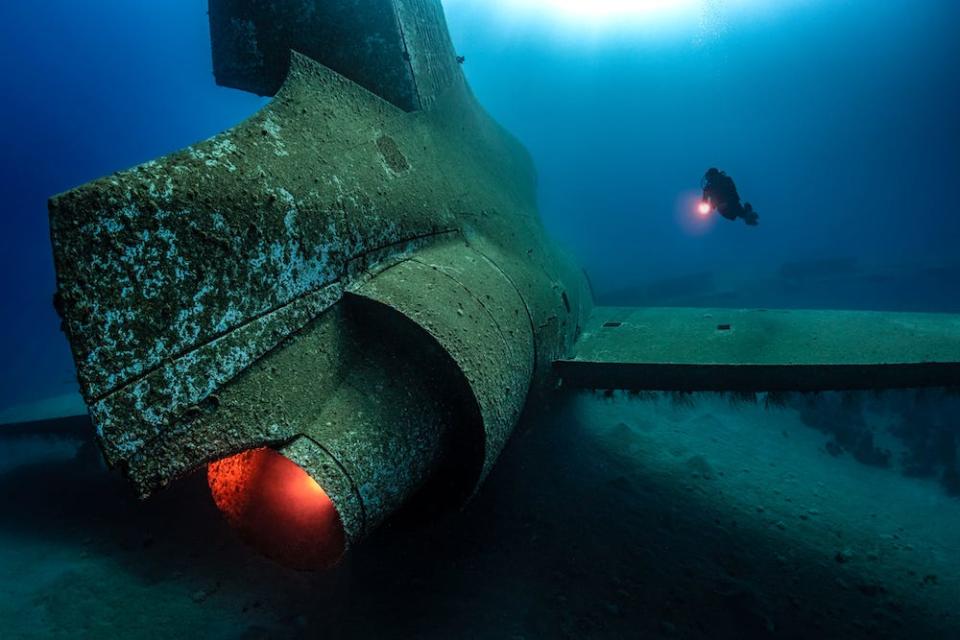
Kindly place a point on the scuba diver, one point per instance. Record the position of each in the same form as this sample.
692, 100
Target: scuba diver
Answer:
720, 193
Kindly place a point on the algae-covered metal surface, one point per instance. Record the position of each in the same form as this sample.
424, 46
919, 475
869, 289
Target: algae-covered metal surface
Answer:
219, 299
763, 350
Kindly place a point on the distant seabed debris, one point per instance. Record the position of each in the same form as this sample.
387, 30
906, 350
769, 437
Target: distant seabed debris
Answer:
915, 432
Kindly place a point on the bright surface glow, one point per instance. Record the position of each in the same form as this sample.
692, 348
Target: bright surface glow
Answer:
590, 20
704, 208
601, 9
587, 15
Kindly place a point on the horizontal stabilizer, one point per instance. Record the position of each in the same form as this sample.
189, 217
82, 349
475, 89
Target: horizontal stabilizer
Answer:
665, 349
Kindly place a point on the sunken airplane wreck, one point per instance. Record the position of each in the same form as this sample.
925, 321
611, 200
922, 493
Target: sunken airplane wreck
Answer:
342, 305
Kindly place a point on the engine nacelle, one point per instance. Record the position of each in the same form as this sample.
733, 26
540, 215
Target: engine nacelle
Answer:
357, 281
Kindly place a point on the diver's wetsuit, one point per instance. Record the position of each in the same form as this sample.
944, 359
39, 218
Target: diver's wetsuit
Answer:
720, 191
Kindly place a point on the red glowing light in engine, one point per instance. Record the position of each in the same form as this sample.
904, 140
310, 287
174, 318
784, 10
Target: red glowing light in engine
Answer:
278, 508
704, 208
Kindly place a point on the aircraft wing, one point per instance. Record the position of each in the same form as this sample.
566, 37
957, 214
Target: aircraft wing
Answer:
686, 349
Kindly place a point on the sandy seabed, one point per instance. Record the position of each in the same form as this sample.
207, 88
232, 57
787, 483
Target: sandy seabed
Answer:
607, 517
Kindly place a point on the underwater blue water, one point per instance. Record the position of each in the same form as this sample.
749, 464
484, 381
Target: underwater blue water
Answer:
837, 119
609, 515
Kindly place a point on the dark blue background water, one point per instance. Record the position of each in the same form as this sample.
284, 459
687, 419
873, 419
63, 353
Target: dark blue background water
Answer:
837, 119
